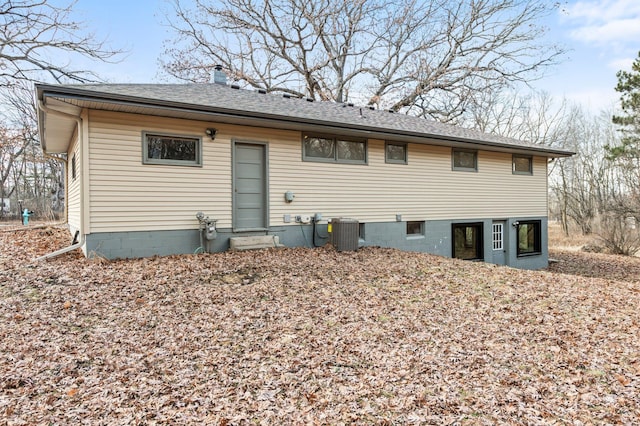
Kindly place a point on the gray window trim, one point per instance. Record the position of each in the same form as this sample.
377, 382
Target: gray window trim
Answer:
392, 161
160, 162
335, 159
513, 164
464, 169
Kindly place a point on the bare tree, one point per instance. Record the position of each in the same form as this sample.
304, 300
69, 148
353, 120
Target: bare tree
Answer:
39, 41
39, 38
25, 173
11, 150
28, 174
588, 185
583, 188
429, 58
535, 117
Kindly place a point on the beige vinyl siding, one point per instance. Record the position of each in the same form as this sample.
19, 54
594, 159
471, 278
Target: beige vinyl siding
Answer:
73, 191
126, 195
425, 188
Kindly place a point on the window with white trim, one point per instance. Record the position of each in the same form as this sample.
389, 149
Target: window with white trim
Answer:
498, 232
415, 228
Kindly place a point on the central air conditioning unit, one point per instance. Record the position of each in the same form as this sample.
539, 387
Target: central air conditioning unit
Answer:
345, 234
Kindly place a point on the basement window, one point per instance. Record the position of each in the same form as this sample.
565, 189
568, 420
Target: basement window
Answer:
334, 149
415, 229
173, 150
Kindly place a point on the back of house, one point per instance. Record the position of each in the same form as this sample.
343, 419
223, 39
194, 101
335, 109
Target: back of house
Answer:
143, 160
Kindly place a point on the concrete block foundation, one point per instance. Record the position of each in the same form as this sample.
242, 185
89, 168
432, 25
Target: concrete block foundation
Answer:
436, 238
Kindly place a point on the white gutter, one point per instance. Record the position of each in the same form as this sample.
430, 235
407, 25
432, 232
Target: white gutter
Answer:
78, 121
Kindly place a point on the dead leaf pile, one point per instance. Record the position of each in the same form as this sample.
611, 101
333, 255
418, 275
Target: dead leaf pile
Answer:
311, 336
596, 265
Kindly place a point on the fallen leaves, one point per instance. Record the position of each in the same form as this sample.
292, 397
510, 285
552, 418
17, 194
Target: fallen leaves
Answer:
624, 381
301, 336
596, 265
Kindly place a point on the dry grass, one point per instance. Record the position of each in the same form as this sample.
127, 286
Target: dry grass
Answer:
300, 336
575, 241
16, 225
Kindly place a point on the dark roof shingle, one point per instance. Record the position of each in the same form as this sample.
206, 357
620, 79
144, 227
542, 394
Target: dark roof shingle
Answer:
249, 103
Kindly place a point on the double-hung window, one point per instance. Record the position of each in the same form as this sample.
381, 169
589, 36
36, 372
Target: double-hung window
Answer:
334, 149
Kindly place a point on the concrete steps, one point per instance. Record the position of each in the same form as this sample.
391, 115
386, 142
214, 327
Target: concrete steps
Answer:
254, 242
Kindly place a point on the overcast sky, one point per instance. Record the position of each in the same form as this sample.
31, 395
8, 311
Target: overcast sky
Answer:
603, 36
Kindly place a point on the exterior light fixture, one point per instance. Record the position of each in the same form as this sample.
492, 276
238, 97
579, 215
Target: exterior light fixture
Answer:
211, 132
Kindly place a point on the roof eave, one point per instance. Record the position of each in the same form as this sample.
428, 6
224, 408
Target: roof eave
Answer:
55, 136
259, 119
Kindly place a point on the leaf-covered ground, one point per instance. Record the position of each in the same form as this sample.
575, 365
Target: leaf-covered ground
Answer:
300, 336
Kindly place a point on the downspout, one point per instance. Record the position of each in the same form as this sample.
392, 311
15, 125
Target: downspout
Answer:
75, 244
65, 249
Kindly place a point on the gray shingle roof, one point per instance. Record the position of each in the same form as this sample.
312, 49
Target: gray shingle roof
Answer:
226, 100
